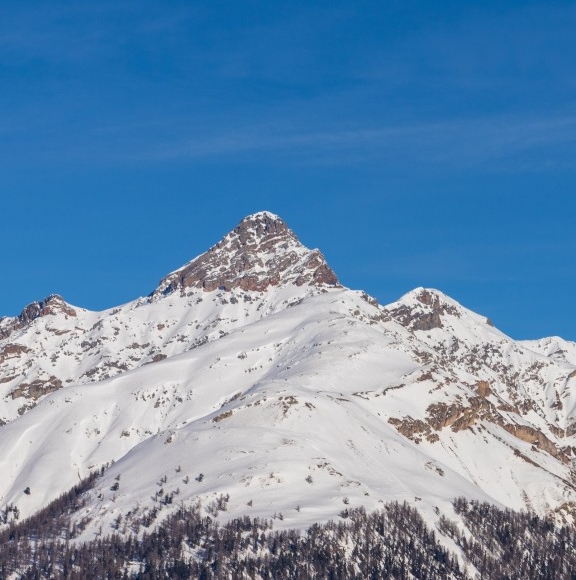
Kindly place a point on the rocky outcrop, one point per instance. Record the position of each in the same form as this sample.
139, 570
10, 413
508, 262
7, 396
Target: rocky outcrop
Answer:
261, 251
414, 429
10, 351
537, 438
459, 417
52, 305
37, 388
427, 315
483, 388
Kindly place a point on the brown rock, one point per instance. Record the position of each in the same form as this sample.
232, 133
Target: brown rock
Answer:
36, 388
483, 388
12, 351
260, 252
414, 429
52, 305
424, 319
536, 437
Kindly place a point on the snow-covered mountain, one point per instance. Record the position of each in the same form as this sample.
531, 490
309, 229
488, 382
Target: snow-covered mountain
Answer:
251, 382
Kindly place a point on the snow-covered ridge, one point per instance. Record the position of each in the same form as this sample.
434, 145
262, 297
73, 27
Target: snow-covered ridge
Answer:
553, 347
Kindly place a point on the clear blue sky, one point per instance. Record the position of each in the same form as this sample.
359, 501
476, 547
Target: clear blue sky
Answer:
423, 143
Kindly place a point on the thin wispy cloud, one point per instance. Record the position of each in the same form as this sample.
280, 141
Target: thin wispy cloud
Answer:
64, 33
473, 141
126, 83
469, 142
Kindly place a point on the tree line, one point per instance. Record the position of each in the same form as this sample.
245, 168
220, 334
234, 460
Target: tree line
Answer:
392, 543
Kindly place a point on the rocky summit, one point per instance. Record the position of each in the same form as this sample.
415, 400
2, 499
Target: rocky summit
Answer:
261, 251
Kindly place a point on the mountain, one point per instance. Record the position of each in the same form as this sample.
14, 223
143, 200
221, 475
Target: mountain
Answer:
52, 344
250, 382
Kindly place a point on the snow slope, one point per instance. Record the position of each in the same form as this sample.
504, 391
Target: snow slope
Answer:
554, 347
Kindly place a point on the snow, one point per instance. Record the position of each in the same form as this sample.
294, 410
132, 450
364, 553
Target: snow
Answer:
554, 347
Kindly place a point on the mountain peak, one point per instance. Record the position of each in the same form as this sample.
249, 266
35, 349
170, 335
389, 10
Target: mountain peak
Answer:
262, 215
51, 305
262, 228
427, 308
261, 251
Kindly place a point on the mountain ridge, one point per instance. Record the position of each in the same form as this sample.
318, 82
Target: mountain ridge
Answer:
252, 367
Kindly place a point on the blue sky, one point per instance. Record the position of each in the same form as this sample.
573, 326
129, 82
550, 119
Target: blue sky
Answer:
415, 143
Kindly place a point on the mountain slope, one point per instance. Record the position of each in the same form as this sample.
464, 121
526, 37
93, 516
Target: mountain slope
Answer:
54, 344
276, 392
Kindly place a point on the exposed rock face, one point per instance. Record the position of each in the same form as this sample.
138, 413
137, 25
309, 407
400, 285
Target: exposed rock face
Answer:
428, 316
483, 388
10, 351
537, 438
54, 304
260, 252
37, 388
459, 417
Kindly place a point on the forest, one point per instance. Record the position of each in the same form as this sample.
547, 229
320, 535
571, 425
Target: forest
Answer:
393, 542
